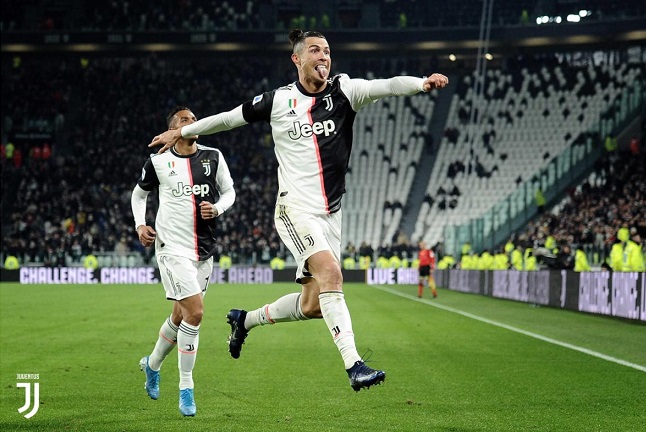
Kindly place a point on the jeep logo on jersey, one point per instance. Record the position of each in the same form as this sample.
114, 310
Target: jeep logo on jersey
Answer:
307, 130
185, 190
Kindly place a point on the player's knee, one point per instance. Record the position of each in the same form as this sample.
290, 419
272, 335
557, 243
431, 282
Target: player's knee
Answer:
194, 317
330, 274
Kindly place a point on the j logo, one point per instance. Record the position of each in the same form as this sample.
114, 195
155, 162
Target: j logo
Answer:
28, 399
207, 168
328, 102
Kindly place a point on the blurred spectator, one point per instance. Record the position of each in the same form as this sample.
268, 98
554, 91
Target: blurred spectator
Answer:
593, 214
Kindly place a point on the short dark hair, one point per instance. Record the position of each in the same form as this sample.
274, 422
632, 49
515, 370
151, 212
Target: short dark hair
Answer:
297, 36
171, 115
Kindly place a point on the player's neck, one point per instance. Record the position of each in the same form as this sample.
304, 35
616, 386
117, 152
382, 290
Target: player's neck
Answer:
185, 148
313, 86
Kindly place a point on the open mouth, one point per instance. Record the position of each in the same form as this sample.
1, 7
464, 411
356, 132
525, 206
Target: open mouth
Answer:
322, 70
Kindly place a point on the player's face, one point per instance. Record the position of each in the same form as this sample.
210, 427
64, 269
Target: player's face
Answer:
315, 60
183, 118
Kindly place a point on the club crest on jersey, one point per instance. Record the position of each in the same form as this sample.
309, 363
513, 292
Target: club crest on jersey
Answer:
207, 167
328, 102
310, 240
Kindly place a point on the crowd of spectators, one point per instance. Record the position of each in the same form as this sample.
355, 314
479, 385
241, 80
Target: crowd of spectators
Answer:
78, 201
214, 15
589, 218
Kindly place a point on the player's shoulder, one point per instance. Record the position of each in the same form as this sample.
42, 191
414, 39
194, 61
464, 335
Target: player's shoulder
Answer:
286, 88
340, 77
263, 98
202, 147
207, 151
156, 158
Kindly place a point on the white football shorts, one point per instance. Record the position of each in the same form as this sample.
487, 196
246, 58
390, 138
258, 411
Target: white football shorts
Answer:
183, 277
304, 234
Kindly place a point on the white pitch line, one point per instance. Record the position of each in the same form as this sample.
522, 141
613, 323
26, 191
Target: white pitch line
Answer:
515, 329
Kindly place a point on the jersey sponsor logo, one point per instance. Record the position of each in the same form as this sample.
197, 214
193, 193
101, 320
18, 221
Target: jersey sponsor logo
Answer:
256, 99
307, 130
186, 190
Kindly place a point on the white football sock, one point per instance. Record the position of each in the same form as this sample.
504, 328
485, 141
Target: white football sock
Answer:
337, 317
285, 309
165, 344
188, 339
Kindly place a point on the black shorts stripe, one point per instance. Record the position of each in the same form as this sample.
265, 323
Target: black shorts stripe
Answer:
300, 246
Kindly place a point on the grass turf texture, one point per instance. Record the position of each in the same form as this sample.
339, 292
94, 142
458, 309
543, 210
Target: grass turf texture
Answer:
445, 371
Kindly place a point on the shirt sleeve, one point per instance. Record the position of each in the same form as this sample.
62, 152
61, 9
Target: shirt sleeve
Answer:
148, 179
361, 92
224, 184
216, 123
138, 204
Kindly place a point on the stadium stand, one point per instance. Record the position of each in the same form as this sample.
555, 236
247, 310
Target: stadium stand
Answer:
97, 113
590, 215
209, 15
530, 113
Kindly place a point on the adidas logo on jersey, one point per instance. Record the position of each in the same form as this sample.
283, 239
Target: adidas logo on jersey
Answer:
172, 173
292, 113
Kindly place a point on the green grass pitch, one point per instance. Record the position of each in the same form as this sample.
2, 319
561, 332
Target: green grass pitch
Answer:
446, 370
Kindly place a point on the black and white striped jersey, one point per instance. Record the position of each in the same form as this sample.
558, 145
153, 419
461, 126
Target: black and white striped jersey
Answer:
313, 139
312, 133
183, 182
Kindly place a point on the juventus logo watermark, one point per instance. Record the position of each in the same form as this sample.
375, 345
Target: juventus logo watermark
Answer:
328, 102
310, 240
207, 168
190, 347
31, 388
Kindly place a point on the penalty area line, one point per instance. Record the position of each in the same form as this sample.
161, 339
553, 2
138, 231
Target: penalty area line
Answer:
514, 329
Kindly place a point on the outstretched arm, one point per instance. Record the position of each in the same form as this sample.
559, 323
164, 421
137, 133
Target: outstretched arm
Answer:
406, 85
365, 92
206, 126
